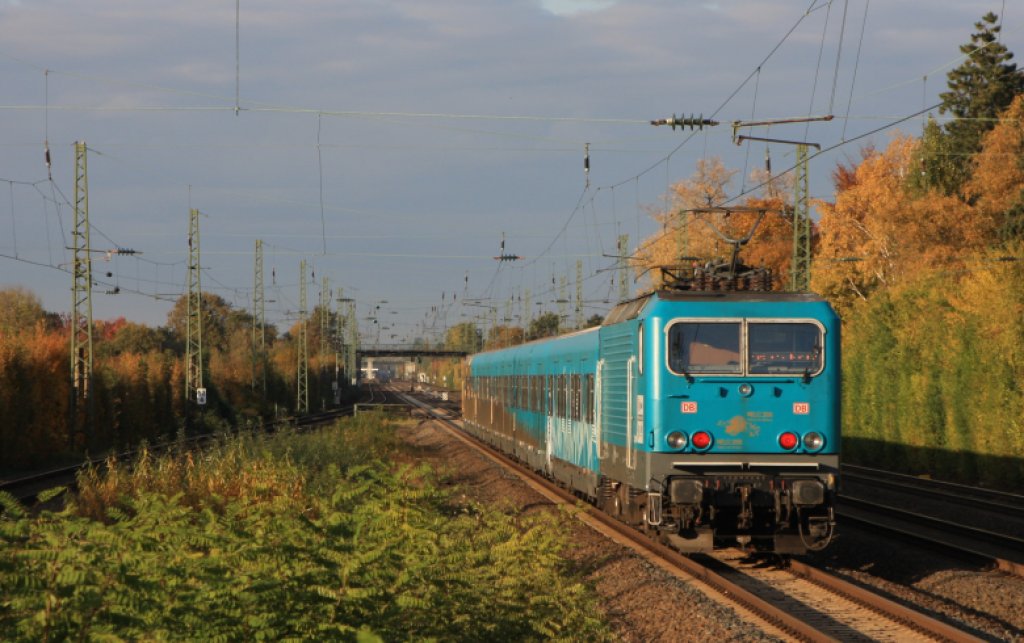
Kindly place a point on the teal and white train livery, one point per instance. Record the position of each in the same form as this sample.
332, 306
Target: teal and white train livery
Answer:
711, 418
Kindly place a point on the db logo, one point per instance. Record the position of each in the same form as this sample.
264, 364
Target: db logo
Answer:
688, 407
801, 408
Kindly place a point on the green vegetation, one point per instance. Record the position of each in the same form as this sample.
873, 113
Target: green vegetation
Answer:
297, 536
933, 376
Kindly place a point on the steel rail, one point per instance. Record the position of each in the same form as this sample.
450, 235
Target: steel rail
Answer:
944, 534
989, 499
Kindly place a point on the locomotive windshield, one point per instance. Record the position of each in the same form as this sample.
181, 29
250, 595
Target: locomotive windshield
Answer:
704, 347
751, 347
789, 348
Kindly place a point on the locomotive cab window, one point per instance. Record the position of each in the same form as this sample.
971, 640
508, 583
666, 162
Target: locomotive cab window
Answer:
746, 347
704, 347
783, 347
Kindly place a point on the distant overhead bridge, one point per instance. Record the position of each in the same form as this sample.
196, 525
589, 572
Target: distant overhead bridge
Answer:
406, 350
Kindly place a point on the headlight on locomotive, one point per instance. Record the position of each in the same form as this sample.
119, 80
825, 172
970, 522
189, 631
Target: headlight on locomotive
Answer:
676, 440
813, 441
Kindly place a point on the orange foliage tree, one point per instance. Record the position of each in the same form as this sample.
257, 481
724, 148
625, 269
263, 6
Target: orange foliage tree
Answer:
997, 183
695, 228
877, 233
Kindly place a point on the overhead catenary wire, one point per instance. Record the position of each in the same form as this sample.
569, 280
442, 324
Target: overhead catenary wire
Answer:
744, 192
584, 203
810, 157
839, 54
856, 66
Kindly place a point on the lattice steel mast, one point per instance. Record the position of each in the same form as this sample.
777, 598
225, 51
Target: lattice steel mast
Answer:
800, 280
325, 302
623, 267
579, 293
81, 289
563, 300
259, 337
302, 376
352, 344
194, 332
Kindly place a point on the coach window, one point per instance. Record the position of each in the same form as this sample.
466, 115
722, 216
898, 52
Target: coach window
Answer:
784, 348
563, 409
640, 351
574, 381
588, 393
704, 347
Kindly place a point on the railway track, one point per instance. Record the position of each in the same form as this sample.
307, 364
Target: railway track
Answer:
979, 524
791, 601
1007, 505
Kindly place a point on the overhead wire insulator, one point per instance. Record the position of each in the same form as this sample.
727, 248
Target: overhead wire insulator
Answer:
586, 163
698, 122
505, 257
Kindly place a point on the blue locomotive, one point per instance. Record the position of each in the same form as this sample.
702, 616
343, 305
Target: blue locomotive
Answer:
710, 418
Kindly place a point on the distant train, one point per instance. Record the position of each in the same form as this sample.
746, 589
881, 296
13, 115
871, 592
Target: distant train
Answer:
711, 418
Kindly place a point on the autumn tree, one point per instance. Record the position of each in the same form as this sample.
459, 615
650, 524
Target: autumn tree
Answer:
997, 183
696, 229
877, 232
979, 89
504, 336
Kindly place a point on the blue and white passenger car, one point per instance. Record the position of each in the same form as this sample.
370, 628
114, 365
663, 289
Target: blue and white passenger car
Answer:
710, 417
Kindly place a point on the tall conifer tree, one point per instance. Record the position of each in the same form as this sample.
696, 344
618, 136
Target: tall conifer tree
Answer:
979, 89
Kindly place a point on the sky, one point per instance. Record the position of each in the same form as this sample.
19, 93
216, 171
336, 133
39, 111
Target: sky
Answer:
393, 144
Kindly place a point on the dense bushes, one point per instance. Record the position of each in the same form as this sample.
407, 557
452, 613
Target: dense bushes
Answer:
933, 376
293, 536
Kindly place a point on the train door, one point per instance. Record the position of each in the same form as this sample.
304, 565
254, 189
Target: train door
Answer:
631, 412
596, 408
549, 422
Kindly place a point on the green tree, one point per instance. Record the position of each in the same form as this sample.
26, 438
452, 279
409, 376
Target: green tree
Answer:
464, 337
545, 325
979, 89
220, 321
130, 337
19, 310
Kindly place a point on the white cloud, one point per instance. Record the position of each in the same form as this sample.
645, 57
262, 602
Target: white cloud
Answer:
573, 7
